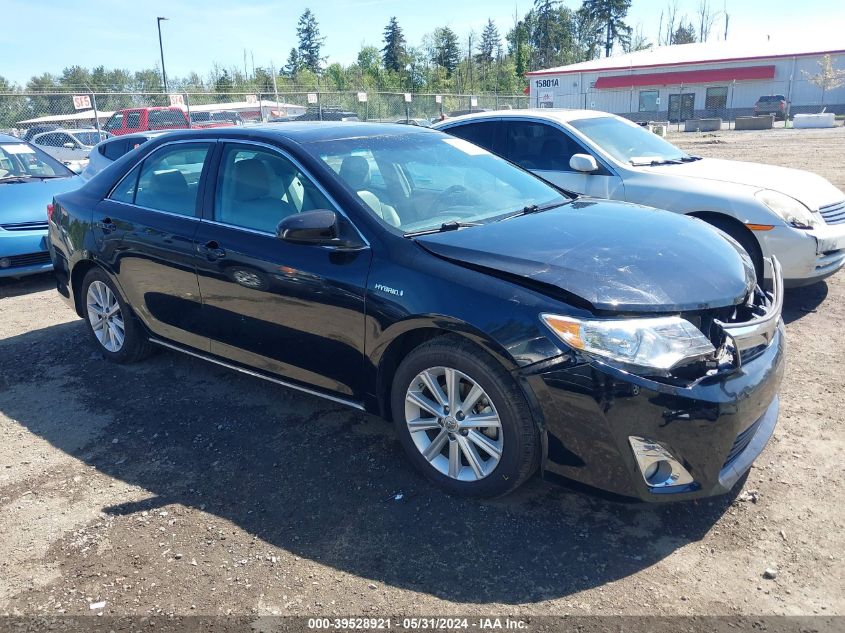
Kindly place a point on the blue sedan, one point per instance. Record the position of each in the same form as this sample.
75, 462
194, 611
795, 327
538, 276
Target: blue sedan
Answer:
29, 179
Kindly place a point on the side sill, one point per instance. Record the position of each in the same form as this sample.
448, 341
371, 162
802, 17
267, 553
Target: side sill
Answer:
256, 374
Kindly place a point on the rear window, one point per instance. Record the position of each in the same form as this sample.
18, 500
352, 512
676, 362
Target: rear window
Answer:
167, 118
772, 98
113, 149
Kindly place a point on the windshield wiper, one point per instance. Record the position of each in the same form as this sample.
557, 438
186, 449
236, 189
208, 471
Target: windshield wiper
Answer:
533, 208
690, 159
446, 226
24, 178
655, 162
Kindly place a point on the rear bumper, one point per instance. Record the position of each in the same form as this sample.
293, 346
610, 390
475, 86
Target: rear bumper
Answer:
715, 429
26, 252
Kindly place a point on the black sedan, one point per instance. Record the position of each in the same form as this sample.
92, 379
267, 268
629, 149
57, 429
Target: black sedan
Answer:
504, 326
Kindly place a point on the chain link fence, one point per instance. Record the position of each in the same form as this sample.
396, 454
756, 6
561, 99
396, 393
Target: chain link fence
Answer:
20, 112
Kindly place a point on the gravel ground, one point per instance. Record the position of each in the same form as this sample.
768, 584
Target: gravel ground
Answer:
178, 487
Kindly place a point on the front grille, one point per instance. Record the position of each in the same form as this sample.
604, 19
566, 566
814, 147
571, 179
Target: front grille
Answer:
32, 259
834, 213
24, 226
741, 442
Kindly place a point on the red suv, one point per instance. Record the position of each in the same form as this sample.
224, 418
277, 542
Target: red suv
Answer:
130, 120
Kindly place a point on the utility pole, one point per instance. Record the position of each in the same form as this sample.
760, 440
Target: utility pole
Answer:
161, 50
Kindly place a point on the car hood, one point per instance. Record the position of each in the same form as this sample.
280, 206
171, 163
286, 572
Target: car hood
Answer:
810, 189
27, 201
612, 255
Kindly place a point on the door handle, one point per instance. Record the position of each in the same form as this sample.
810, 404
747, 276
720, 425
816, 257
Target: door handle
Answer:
211, 250
106, 224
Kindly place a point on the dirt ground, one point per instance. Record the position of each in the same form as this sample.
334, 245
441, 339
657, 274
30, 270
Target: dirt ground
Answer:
178, 487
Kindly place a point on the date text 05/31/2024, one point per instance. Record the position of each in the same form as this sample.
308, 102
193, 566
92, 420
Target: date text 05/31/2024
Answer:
424, 623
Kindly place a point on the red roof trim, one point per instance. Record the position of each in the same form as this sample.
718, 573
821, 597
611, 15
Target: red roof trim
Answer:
535, 73
687, 77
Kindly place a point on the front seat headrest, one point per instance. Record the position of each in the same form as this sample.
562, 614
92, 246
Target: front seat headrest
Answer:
355, 171
252, 179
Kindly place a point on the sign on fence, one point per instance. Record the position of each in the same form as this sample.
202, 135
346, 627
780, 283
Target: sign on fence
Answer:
251, 99
362, 97
81, 102
177, 99
407, 97
438, 98
473, 102
312, 97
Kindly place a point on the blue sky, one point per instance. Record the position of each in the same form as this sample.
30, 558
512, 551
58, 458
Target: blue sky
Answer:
54, 34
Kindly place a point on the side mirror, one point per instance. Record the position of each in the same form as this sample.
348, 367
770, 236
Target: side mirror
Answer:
583, 162
310, 227
69, 145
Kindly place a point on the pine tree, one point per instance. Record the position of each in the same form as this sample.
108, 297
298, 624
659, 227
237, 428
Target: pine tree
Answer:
610, 16
684, 34
310, 42
394, 53
447, 52
293, 65
490, 43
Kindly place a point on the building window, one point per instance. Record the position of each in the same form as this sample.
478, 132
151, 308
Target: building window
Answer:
648, 100
717, 98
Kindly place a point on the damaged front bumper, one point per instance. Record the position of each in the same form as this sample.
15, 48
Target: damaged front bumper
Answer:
617, 431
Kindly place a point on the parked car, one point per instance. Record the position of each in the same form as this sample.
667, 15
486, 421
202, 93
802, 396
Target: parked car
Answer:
131, 120
772, 104
70, 146
501, 324
215, 119
327, 114
38, 129
108, 151
795, 215
29, 178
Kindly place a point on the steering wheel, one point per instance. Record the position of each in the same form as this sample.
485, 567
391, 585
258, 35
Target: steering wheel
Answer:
454, 196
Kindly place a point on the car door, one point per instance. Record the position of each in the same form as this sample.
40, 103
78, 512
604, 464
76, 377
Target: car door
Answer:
545, 149
291, 309
145, 232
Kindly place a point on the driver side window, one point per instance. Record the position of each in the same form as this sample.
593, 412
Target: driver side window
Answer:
257, 188
538, 146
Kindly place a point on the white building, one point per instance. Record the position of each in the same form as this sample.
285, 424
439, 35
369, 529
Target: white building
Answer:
685, 81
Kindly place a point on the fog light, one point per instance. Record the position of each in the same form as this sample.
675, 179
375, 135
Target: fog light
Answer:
657, 466
5, 262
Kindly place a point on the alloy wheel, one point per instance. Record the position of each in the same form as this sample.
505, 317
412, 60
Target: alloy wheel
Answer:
105, 316
453, 423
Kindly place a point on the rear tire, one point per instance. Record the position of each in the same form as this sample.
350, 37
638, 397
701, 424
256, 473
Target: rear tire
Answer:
474, 434
113, 327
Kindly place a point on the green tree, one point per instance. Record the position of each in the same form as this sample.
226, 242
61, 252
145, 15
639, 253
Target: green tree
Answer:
293, 65
553, 34
519, 46
684, 34
609, 15
310, 42
488, 50
394, 53
447, 52
224, 82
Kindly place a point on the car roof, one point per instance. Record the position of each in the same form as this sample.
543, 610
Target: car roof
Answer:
559, 115
8, 138
69, 130
305, 131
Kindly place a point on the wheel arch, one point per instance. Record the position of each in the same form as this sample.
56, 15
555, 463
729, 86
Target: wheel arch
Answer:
715, 218
402, 338
77, 274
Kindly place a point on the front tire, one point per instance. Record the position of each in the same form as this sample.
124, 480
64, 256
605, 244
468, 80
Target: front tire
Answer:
112, 326
463, 420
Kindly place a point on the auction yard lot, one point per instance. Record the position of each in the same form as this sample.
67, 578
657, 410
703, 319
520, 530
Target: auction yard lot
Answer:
178, 487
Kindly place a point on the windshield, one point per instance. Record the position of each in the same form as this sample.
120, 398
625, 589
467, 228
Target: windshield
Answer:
19, 160
627, 142
90, 138
417, 182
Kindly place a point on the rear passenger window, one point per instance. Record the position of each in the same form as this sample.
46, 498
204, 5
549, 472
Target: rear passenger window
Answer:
169, 178
114, 149
125, 190
479, 133
133, 120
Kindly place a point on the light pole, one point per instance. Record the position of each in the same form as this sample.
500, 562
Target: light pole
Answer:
161, 50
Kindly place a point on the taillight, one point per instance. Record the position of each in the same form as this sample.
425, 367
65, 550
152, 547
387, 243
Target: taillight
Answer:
50, 208
783, 105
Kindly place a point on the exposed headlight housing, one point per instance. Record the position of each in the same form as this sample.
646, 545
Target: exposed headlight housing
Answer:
788, 209
657, 343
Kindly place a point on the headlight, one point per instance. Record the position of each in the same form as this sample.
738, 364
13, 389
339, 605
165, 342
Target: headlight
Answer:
789, 209
655, 343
